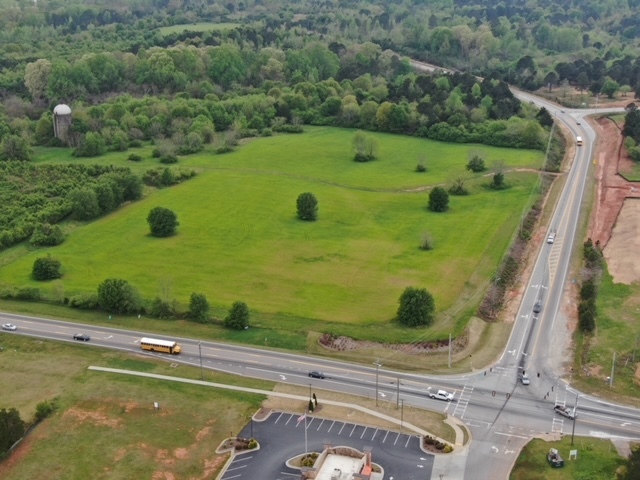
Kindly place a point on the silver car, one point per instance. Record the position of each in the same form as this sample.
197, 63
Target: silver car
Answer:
9, 326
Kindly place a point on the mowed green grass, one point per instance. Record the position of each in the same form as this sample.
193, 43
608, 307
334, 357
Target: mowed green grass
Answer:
105, 426
198, 27
239, 238
596, 459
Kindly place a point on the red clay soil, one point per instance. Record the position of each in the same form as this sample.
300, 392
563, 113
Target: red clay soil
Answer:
613, 189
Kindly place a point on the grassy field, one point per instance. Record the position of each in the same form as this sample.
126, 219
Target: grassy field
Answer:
618, 331
239, 239
597, 459
198, 27
105, 425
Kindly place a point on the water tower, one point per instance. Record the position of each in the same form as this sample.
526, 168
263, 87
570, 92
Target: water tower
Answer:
61, 121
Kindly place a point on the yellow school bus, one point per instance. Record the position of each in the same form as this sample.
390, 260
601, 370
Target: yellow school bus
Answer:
164, 346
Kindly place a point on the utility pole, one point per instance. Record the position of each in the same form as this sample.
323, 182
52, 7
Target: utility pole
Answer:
200, 351
377, 364
449, 350
401, 413
398, 393
575, 416
635, 347
613, 368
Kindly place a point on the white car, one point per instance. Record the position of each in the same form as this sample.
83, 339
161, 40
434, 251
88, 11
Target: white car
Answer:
442, 395
551, 238
9, 326
525, 379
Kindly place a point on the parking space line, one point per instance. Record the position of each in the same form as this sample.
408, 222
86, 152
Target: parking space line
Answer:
354, 429
340, 432
242, 458
374, 434
287, 422
320, 425
234, 476
396, 440
385, 436
310, 422
363, 432
408, 440
279, 417
329, 431
236, 468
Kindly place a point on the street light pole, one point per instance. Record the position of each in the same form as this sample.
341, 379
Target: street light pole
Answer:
398, 393
613, 368
200, 351
377, 364
449, 350
401, 413
575, 416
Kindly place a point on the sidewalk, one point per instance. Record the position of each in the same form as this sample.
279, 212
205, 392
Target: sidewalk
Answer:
450, 466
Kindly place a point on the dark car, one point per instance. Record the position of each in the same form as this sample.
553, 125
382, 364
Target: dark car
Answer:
537, 308
316, 374
82, 337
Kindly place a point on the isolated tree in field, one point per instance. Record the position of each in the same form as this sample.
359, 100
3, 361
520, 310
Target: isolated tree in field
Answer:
238, 317
417, 307
117, 296
458, 185
427, 241
46, 268
610, 87
498, 183
11, 428
438, 200
307, 205
421, 167
476, 162
365, 146
199, 308
162, 222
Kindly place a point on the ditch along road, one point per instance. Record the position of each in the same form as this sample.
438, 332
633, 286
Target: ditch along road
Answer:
501, 413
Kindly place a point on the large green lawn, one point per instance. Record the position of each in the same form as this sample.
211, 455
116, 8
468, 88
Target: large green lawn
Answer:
239, 238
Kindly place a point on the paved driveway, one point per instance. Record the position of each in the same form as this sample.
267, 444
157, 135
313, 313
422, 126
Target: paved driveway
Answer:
282, 437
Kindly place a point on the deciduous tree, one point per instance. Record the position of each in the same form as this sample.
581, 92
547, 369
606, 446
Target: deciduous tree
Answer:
118, 296
307, 206
238, 317
162, 222
438, 200
12, 428
199, 308
46, 268
417, 307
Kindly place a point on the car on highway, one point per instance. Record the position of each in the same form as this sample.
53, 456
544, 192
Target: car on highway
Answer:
551, 238
524, 378
9, 326
442, 395
578, 122
537, 308
82, 337
316, 374
565, 411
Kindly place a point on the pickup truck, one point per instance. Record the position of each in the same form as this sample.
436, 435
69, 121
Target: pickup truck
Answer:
554, 458
565, 411
442, 395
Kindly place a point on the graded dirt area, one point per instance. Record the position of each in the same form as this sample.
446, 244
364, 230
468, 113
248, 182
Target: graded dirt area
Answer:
615, 219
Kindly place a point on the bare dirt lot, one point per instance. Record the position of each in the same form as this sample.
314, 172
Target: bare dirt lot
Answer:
615, 219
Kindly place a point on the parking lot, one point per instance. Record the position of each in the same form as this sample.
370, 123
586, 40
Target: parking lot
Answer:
281, 436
